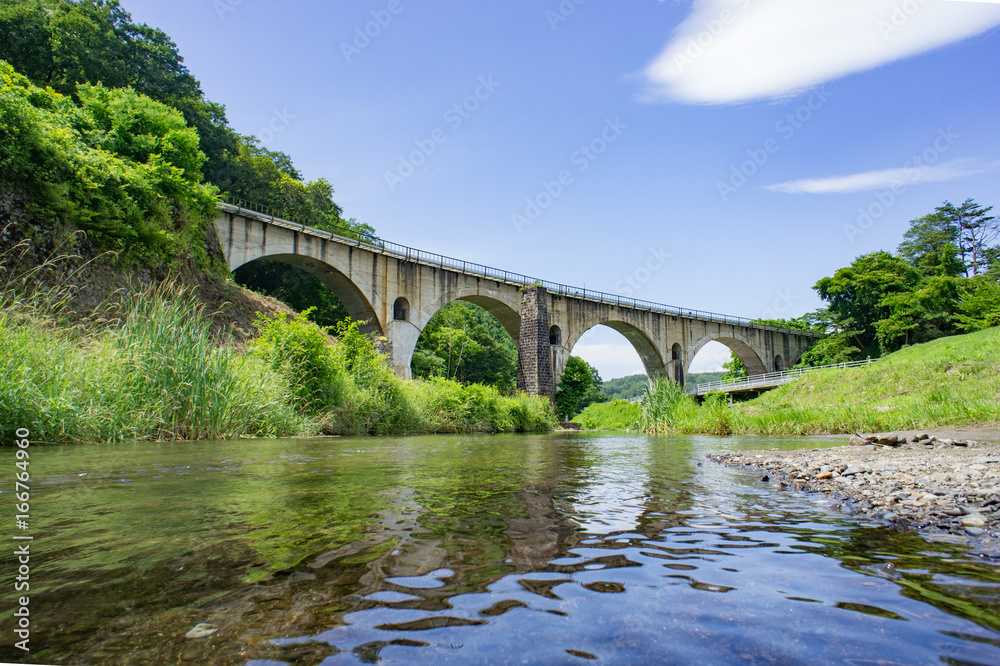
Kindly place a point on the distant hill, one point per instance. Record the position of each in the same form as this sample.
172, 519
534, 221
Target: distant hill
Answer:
634, 386
702, 377
626, 388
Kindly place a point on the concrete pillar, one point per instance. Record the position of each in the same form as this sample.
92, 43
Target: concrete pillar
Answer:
534, 359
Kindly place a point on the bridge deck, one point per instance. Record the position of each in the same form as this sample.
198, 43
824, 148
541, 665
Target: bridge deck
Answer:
762, 382
405, 253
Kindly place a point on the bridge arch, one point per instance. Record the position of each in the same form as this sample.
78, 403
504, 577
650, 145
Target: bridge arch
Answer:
406, 334
641, 341
358, 307
743, 350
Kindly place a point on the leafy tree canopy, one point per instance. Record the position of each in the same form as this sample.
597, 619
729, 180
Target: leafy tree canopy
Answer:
944, 281
575, 383
463, 341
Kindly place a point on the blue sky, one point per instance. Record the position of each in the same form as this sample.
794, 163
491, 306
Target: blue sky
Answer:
721, 155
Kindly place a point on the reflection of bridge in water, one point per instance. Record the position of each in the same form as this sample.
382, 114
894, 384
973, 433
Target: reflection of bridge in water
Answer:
397, 289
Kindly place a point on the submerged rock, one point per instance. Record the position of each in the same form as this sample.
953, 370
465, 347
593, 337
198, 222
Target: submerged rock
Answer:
201, 630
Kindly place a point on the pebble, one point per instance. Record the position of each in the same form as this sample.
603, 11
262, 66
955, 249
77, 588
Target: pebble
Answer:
954, 488
201, 630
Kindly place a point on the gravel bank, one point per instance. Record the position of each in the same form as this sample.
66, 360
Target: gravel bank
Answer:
933, 485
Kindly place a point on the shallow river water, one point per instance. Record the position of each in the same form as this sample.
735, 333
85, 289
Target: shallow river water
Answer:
473, 550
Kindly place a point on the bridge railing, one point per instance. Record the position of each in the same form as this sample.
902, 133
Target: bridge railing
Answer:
406, 253
766, 380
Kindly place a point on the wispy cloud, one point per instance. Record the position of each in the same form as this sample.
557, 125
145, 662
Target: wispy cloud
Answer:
870, 181
729, 51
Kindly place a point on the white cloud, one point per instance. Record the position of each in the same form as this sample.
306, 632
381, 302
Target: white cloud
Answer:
729, 51
886, 178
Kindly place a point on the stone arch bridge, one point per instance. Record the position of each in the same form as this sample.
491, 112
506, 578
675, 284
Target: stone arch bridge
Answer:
396, 290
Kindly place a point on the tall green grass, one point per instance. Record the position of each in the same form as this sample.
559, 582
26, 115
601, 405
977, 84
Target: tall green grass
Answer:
160, 375
614, 415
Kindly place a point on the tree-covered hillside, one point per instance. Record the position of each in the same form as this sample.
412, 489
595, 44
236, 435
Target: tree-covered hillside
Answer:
107, 131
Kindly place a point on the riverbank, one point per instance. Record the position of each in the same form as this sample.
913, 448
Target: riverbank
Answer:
951, 382
941, 486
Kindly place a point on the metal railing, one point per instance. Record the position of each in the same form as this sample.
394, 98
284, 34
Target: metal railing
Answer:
766, 380
381, 246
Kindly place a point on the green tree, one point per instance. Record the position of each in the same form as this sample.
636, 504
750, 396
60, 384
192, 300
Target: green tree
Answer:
931, 245
976, 233
120, 166
856, 296
62, 44
294, 287
921, 315
595, 394
576, 381
979, 306
462, 341
835, 348
734, 368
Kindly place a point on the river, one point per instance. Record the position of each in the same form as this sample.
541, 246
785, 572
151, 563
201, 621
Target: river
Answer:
548, 549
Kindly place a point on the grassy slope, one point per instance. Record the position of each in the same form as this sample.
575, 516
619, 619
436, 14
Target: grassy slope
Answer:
951, 381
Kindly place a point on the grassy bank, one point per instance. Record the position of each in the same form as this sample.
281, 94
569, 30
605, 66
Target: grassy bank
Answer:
950, 381
155, 371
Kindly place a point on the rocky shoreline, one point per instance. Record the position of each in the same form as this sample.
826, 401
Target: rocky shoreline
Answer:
939, 486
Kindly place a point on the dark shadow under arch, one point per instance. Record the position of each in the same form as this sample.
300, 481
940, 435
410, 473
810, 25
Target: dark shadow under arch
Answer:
355, 303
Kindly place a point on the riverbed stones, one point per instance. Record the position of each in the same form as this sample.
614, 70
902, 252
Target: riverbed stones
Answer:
952, 489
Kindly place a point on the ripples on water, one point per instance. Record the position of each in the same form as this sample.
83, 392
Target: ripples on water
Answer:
557, 549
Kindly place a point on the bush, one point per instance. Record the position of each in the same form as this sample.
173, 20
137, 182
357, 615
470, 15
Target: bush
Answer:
614, 415
125, 169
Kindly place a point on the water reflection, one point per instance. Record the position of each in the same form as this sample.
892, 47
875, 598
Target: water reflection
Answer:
482, 550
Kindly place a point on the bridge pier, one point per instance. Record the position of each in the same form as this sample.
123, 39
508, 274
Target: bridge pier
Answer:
534, 357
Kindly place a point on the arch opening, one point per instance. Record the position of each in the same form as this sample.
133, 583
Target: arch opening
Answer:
603, 347
509, 318
719, 349
469, 343
779, 363
555, 335
302, 282
401, 310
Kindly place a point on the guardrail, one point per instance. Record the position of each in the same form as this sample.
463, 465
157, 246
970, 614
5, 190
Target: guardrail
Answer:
380, 246
766, 380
